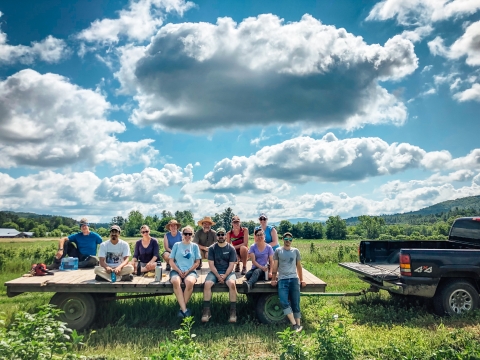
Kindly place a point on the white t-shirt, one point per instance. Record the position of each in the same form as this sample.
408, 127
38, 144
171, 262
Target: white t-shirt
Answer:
114, 254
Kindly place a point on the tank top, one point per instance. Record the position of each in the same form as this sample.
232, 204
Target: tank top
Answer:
268, 233
173, 239
236, 239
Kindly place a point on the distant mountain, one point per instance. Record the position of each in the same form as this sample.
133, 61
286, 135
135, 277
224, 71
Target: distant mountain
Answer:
294, 221
471, 203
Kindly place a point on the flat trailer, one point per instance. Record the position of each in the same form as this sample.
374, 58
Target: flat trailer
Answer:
77, 292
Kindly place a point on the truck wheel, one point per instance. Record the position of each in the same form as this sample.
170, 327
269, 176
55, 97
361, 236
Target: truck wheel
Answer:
79, 309
268, 309
455, 297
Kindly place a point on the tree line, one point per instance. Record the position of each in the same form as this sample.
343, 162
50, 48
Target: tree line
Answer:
334, 228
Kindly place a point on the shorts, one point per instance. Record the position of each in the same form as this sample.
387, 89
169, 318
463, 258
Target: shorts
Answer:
211, 277
173, 273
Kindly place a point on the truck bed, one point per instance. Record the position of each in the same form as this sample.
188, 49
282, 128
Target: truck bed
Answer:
379, 271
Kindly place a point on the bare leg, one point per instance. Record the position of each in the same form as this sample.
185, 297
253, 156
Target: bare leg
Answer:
291, 319
177, 289
244, 256
207, 290
232, 290
189, 282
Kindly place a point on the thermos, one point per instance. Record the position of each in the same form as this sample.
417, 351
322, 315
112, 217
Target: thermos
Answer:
266, 274
158, 271
114, 276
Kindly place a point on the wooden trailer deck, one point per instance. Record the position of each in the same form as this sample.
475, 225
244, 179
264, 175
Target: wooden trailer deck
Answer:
83, 281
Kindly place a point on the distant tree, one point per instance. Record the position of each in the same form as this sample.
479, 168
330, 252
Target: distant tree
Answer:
118, 220
40, 231
308, 231
371, 225
250, 225
226, 217
163, 222
336, 228
297, 230
102, 232
134, 222
185, 217
55, 233
317, 230
166, 213
284, 226
10, 225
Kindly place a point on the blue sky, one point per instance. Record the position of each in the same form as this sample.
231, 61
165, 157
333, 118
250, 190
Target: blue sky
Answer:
297, 109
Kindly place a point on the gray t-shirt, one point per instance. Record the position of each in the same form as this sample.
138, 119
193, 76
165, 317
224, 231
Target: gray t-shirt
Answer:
205, 238
222, 256
287, 262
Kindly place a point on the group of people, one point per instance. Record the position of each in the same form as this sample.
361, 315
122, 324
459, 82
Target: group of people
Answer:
183, 252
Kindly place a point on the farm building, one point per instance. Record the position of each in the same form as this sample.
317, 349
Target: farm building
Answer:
14, 233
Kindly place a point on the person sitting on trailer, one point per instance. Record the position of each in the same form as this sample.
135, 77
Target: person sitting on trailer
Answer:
286, 260
261, 255
221, 260
171, 237
114, 255
146, 254
82, 245
238, 237
184, 260
205, 237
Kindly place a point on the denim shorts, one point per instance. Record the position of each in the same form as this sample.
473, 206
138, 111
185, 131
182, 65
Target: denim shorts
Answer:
173, 273
211, 277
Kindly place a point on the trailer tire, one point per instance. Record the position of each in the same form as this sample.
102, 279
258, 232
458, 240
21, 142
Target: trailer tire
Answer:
269, 310
78, 309
455, 297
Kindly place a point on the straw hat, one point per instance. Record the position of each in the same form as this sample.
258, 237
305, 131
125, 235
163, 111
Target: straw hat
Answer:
207, 219
172, 222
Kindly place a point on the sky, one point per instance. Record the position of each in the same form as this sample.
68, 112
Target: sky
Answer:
298, 109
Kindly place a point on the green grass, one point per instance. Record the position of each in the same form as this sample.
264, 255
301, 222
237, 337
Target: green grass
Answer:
380, 327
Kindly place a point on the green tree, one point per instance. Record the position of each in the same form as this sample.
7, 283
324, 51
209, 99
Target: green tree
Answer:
163, 222
284, 226
371, 225
118, 220
166, 213
185, 217
317, 230
226, 217
297, 230
336, 228
11, 225
103, 232
134, 222
250, 225
40, 231
308, 231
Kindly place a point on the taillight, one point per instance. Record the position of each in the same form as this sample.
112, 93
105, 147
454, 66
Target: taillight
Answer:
405, 267
476, 219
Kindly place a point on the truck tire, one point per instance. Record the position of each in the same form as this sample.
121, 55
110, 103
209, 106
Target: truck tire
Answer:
269, 310
455, 297
79, 309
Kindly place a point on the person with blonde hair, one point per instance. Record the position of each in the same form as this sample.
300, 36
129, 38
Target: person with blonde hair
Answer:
184, 260
146, 254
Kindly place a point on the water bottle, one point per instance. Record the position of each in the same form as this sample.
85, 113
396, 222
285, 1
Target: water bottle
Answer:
69, 263
114, 276
158, 271
266, 274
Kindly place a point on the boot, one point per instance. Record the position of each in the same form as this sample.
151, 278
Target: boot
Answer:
233, 316
168, 268
55, 265
237, 267
206, 314
199, 267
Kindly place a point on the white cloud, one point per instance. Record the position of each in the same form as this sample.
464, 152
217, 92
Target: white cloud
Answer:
262, 70
421, 12
45, 121
221, 199
417, 34
49, 50
137, 23
470, 94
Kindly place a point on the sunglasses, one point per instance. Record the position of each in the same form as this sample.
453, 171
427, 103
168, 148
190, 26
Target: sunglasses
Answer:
187, 234
262, 219
259, 234
113, 231
287, 239
145, 232
220, 234
236, 221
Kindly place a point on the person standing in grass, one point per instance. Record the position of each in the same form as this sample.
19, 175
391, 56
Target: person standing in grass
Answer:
114, 255
82, 245
286, 260
184, 259
205, 237
261, 255
171, 237
221, 260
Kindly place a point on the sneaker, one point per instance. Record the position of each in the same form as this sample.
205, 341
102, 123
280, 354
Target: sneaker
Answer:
199, 267
99, 278
246, 287
244, 271
187, 313
237, 268
168, 268
297, 328
128, 277
206, 314
55, 265
180, 314
233, 316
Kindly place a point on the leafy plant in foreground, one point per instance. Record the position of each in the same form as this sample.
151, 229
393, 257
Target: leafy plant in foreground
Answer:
332, 339
292, 345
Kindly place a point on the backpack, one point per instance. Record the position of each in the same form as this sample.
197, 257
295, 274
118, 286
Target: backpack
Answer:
40, 270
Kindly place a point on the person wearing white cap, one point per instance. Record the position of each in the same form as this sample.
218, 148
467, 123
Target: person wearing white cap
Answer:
271, 235
114, 255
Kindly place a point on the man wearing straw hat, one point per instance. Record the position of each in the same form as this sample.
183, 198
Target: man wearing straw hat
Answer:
171, 237
205, 237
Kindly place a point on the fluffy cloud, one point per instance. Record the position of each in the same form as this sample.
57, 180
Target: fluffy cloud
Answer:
44, 123
49, 49
470, 94
137, 23
420, 12
199, 76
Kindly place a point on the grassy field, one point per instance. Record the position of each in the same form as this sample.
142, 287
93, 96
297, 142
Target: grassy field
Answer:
377, 325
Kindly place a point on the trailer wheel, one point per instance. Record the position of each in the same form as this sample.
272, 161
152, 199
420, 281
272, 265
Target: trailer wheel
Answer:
79, 309
455, 297
268, 309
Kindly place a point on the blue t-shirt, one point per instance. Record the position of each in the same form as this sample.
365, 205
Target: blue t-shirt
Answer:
185, 255
86, 244
261, 257
173, 239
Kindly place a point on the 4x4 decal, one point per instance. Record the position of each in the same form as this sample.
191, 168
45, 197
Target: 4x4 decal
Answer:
424, 268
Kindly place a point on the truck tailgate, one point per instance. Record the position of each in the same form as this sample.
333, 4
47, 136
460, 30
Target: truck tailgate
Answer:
377, 272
